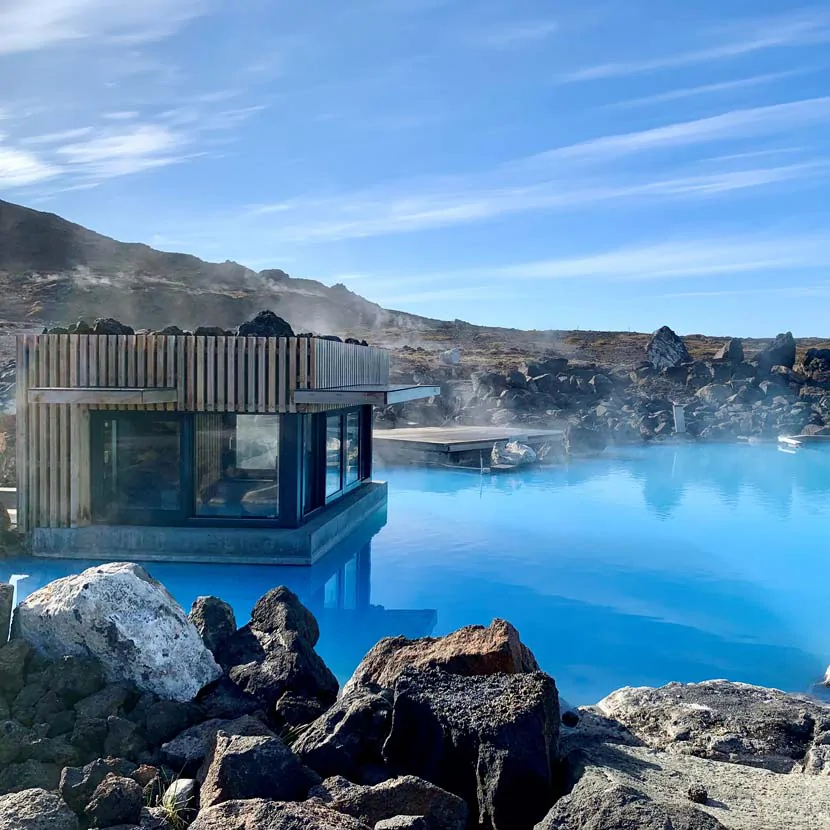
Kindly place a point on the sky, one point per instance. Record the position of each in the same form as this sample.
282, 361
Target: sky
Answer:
615, 164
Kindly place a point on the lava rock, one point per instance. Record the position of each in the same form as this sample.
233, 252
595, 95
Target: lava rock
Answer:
246, 767
781, 352
6, 590
108, 701
127, 621
403, 823
732, 350
491, 740
224, 699
265, 324
13, 738
580, 440
407, 795
598, 804
472, 650
116, 800
666, 350
252, 814
214, 620
723, 721
107, 325
190, 749
14, 658
349, 736
28, 775
35, 809
78, 784
698, 794
274, 654
209, 331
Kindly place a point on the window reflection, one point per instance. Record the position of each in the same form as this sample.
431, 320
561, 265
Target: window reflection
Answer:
237, 465
140, 465
334, 459
352, 447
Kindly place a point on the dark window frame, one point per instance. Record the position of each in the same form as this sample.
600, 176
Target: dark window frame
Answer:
293, 456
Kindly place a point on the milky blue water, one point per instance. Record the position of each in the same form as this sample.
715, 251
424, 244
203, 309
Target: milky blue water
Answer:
634, 568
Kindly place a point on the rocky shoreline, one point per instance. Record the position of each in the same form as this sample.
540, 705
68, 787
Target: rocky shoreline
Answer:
724, 398
119, 710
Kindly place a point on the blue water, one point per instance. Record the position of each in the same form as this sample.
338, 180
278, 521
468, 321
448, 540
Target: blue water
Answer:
636, 568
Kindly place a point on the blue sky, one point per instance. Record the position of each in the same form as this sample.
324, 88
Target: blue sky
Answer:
607, 165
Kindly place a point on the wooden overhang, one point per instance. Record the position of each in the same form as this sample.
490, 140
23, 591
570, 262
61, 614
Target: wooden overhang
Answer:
102, 395
366, 394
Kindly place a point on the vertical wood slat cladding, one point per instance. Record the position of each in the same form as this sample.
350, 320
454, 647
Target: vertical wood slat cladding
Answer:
211, 374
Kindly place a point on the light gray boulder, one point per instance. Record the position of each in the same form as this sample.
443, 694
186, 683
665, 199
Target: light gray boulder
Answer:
261, 814
121, 616
35, 810
725, 721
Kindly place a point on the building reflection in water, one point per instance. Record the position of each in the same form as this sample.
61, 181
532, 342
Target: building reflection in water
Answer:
337, 589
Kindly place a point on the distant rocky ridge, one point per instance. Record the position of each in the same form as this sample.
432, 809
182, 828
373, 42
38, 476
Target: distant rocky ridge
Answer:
462, 732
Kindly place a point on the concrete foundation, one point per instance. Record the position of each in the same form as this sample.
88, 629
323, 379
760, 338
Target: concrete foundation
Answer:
253, 546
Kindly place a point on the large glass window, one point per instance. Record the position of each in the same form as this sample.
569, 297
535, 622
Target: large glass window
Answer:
236, 461
141, 459
352, 447
334, 454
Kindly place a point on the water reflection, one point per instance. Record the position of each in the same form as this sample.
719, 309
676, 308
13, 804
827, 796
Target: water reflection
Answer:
337, 589
636, 568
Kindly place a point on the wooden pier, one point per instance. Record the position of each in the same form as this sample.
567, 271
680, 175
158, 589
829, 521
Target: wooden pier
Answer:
460, 439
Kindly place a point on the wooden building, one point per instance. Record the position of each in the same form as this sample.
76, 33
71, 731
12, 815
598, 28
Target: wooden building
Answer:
156, 447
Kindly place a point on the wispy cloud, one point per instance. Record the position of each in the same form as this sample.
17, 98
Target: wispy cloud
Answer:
741, 38
451, 203
145, 147
697, 257
19, 168
707, 89
57, 138
511, 35
125, 115
38, 24
742, 123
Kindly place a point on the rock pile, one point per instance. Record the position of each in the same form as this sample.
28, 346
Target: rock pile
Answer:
724, 398
449, 733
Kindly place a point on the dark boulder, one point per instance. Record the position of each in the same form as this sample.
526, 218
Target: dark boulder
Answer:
14, 659
245, 767
781, 352
265, 324
173, 330
107, 701
472, 650
116, 800
28, 775
189, 750
214, 620
81, 327
280, 611
209, 331
6, 590
89, 735
732, 350
224, 699
124, 738
491, 740
348, 737
666, 350
596, 803
77, 784
35, 809
258, 813
107, 325
274, 654
164, 719
13, 738
407, 795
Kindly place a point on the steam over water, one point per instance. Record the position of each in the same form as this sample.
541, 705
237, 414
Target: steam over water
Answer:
635, 568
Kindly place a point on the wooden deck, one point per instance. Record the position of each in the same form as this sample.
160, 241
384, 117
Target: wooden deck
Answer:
461, 438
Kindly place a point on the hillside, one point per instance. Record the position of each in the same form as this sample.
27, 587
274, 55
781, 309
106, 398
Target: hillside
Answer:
53, 271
